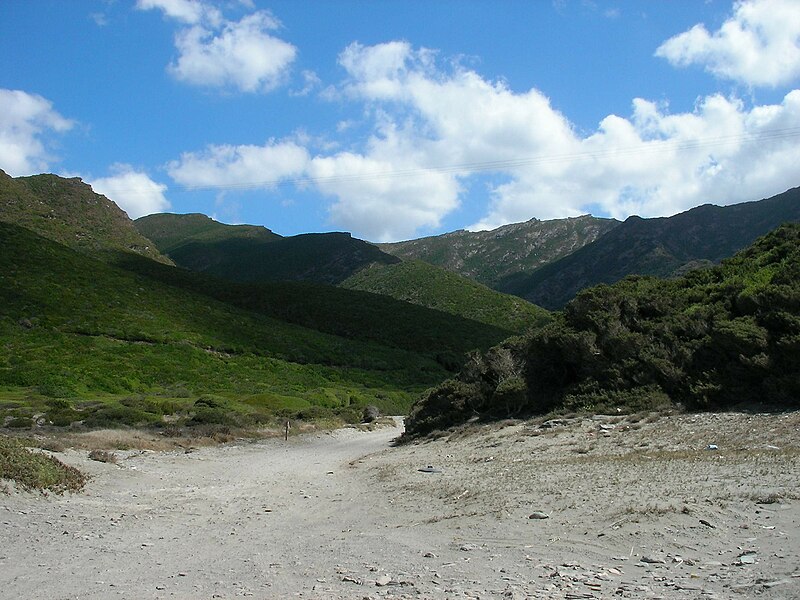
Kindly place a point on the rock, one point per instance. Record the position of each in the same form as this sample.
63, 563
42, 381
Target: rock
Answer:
371, 413
653, 561
351, 579
772, 584
429, 469
383, 580
707, 524
538, 515
468, 547
747, 558
429, 555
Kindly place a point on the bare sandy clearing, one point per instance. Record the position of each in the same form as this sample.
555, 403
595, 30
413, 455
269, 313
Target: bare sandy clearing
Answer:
635, 509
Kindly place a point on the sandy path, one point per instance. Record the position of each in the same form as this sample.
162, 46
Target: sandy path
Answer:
263, 519
635, 510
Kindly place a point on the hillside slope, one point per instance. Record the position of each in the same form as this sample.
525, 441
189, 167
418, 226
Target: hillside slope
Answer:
661, 247
69, 212
83, 338
716, 338
250, 254
490, 257
169, 231
425, 285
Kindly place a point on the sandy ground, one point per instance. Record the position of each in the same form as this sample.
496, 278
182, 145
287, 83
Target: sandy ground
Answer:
635, 507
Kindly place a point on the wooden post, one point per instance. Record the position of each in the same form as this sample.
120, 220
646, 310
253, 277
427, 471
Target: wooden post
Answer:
286, 432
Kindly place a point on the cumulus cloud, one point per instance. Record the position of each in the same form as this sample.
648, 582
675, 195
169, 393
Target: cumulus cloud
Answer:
759, 45
655, 163
456, 125
244, 166
26, 122
215, 52
435, 132
133, 191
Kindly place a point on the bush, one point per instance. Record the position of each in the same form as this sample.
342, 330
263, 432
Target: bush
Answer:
36, 470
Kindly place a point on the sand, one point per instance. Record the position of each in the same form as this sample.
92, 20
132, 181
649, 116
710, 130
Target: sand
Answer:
610, 507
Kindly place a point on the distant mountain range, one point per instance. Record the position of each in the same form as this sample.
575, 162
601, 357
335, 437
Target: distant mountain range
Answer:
662, 247
248, 253
492, 257
548, 262
245, 253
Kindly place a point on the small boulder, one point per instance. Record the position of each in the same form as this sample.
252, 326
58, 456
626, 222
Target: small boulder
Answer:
371, 413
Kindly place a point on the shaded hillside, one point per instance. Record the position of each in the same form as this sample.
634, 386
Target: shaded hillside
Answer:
69, 212
248, 253
716, 338
662, 247
351, 314
489, 257
83, 338
423, 284
169, 231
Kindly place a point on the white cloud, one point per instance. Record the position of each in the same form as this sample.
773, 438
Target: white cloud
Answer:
245, 166
26, 120
657, 164
759, 45
435, 132
215, 52
133, 191
383, 207
458, 125
190, 12
243, 55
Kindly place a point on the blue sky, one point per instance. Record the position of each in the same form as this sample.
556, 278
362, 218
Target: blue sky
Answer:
398, 119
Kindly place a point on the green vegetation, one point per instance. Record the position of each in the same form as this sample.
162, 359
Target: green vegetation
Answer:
171, 231
491, 257
251, 254
87, 341
661, 247
716, 338
36, 471
341, 312
69, 212
420, 283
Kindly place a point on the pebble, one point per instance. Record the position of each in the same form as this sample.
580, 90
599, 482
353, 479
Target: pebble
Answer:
538, 515
747, 558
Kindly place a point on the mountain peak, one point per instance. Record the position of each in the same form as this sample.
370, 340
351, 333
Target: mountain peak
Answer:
68, 211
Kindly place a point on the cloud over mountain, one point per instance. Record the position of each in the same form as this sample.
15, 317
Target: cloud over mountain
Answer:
26, 123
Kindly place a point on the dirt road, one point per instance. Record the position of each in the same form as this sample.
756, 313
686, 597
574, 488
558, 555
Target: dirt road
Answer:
592, 508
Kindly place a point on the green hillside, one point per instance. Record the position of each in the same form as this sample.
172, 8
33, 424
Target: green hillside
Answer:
351, 314
169, 231
244, 253
716, 338
86, 340
69, 212
423, 284
251, 254
489, 257
662, 247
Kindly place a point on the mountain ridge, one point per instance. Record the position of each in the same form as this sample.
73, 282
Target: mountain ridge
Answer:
68, 211
662, 246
